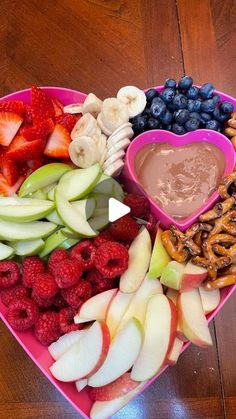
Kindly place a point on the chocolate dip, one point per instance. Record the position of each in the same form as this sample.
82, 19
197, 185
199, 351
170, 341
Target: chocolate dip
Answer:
180, 179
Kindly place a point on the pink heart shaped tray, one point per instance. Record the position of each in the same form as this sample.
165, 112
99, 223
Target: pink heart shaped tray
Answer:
39, 353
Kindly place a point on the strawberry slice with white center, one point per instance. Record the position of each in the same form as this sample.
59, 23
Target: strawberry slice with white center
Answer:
9, 169
9, 124
58, 143
21, 150
58, 106
15, 106
8, 190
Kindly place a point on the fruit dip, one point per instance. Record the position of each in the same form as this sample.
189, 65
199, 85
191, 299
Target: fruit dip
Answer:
180, 179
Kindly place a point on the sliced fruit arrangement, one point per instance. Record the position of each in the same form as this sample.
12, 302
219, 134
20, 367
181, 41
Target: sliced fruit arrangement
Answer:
104, 131
31, 135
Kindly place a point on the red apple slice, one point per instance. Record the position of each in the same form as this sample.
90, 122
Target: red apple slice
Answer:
175, 352
159, 258
122, 354
160, 330
192, 277
81, 384
104, 410
118, 388
173, 296
192, 318
172, 274
95, 308
139, 258
84, 357
116, 309
58, 348
210, 299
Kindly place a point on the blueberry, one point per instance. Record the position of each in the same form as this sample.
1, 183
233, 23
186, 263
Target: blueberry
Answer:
205, 117
146, 112
194, 105
139, 124
219, 116
213, 124
167, 127
150, 94
216, 99
181, 116
170, 83
185, 82
167, 117
208, 106
167, 95
180, 101
171, 107
192, 92
157, 108
192, 124
226, 107
206, 91
152, 123
195, 115
178, 129
156, 100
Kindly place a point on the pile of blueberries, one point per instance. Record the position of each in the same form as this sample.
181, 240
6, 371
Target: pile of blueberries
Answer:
182, 107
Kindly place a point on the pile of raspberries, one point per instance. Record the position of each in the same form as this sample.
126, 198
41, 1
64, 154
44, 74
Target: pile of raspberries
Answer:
46, 296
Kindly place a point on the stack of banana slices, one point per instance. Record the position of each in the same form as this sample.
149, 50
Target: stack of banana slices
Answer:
103, 133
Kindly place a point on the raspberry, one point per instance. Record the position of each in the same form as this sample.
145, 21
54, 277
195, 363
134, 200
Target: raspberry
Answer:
15, 293
105, 284
58, 301
9, 274
31, 267
94, 276
76, 295
22, 314
111, 259
151, 223
67, 273
138, 204
47, 328
56, 257
66, 320
43, 303
84, 252
103, 237
125, 228
45, 286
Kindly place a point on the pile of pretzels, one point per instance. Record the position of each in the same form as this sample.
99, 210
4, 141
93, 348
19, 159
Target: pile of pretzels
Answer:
230, 129
211, 242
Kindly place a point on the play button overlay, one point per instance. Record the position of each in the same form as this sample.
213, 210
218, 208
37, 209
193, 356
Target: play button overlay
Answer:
116, 209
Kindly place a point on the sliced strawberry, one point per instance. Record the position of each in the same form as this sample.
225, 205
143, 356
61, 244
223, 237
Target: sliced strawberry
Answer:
37, 163
9, 125
67, 120
58, 106
28, 115
21, 150
42, 106
15, 106
37, 132
8, 190
58, 143
9, 169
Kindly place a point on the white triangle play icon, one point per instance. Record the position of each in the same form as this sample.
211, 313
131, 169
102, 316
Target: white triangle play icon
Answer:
116, 209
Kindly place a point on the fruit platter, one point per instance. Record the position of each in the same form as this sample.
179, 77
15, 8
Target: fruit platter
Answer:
103, 304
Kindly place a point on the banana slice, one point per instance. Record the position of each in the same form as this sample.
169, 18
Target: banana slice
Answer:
73, 108
83, 152
103, 157
113, 158
104, 129
102, 144
114, 113
121, 145
92, 104
85, 126
119, 136
134, 99
97, 134
115, 168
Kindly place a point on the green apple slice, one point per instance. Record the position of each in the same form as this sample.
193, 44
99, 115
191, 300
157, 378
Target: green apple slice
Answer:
39, 194
54, 218
99, 220
23, 210
68, 243
28, 248
71, 217
29, 231
51, 193
101, 200
104, 186
78, 183
69, 233
5, 251
56, 240
43, 177
86, 207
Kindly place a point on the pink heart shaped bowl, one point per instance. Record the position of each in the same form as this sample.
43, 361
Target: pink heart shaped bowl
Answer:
161, 136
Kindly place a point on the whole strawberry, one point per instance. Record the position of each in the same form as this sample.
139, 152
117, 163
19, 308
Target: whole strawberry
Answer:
124, 229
